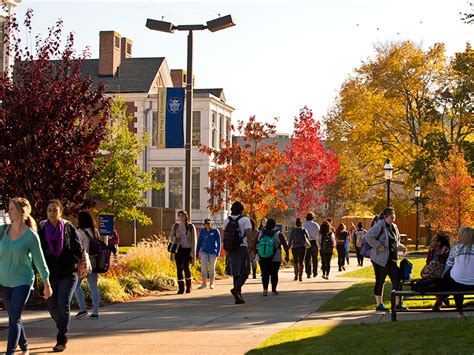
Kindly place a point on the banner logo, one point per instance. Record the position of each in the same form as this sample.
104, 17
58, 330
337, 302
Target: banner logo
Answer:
175, 105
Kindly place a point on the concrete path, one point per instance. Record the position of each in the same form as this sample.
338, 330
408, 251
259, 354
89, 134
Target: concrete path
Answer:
203, 322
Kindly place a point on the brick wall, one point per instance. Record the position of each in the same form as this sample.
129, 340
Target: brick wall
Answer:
109, 53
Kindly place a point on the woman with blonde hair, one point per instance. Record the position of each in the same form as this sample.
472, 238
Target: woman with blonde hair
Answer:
19, 249
460, 266
184, 234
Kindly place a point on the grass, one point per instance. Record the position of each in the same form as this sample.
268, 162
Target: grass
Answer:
450, 336
123, 250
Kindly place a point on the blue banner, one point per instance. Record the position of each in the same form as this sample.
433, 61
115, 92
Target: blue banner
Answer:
174, 118
106, 224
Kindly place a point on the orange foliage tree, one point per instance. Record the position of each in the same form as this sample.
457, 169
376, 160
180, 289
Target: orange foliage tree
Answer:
252, 172
451, 199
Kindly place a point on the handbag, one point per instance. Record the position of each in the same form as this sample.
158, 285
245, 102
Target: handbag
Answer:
307, 243
433, 270
173, 247
84, 267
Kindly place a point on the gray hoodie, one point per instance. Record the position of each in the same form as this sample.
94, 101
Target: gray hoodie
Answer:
380, 228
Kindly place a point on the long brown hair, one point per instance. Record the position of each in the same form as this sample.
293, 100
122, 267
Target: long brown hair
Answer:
466, 238
341, 227
24, 206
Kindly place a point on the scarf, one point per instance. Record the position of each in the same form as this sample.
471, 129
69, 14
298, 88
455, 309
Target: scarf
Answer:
55, 237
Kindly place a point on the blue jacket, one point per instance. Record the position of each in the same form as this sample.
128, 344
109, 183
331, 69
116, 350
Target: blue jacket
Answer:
209, 241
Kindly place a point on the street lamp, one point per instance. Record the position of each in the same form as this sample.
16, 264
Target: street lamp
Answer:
388, 171
417, 199
213, 26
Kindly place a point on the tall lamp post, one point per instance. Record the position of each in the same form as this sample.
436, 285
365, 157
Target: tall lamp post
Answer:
213, 26
417, 200
388, 171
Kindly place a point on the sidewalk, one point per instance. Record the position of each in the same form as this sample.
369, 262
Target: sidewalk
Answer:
203, 322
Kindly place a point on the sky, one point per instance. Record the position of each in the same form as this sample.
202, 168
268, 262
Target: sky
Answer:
280, 56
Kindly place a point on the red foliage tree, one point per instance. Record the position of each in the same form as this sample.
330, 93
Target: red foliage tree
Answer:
310, 162
253, 172
51, 121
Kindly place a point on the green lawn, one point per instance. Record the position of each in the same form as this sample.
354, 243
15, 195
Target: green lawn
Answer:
368, 272
123, 249
449, 336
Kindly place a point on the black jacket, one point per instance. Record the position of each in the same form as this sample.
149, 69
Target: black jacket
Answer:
66, 263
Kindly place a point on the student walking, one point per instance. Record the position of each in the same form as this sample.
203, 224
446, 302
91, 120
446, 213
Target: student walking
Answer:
184, 234
238, 252
311, 258
19, 249
252, 256
342, 236
328, 243
384, 238
86, 231
62, 250
296, 242
210, 242
270, 242
358, 237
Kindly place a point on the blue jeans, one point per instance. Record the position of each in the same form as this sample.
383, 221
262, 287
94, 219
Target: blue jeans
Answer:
95, 295
15, 299
59, 304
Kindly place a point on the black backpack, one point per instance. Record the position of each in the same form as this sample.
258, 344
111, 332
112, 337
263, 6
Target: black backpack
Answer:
232, 237
326, 243
99, 255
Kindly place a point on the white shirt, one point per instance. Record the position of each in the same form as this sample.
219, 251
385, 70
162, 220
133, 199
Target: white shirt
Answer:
313, 231
244, 224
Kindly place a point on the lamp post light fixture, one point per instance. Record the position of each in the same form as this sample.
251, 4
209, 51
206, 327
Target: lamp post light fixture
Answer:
213, 26
388, 171
417, 200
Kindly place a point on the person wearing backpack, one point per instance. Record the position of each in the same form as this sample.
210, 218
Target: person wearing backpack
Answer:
384, 238
184, 234
87, 230
62, 250
237, 241
270, 242
328, 243
296, 242
358, 237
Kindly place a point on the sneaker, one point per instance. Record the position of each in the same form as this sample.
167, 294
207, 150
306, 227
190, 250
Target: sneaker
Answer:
309, 276
296, 278
301, 278
265, 293
314, 275
59, 348
94, 316
202, 286
240, 300
211, 287
381, 307
80, 314
400, 308
344, 268
275, 293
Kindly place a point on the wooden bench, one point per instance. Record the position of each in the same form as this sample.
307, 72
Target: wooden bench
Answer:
410, 295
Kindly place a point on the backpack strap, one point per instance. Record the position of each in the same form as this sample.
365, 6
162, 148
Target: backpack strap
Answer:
4, 229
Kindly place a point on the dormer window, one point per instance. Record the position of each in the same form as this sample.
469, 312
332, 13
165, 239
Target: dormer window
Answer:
117, 42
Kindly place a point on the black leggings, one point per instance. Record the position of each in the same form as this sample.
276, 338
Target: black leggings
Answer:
298, 255
326, 263
360, 257
269, 269
459, 299
183, 259
341, 254
381, 272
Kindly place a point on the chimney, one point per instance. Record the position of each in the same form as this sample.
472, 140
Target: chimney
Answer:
109, 53
179, 78
126, 48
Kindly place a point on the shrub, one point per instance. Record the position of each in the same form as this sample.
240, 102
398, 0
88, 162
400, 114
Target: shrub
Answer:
158, 282
111, 290
131, 285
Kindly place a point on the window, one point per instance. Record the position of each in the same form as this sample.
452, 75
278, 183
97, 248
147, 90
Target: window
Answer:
196, 189
227, 130
196, 128
154, 129
129, 48
158, 196
176, 188
221, 129
117, 42
213, 129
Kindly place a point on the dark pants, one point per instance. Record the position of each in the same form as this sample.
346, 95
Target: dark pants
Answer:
253, 265
360, 258
381, 272
298, 255
59, 304
239, 263
311, 258
15, 299
183, 259
326, 262
269, 271
459, 299
341, 255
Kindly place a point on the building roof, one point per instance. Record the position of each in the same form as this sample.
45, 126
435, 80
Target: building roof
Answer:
219, 93
134, 75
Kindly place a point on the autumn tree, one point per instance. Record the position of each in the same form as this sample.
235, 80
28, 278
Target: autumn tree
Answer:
313, 166
451, 197
407, 104
252, 171
120, 183
52, 121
